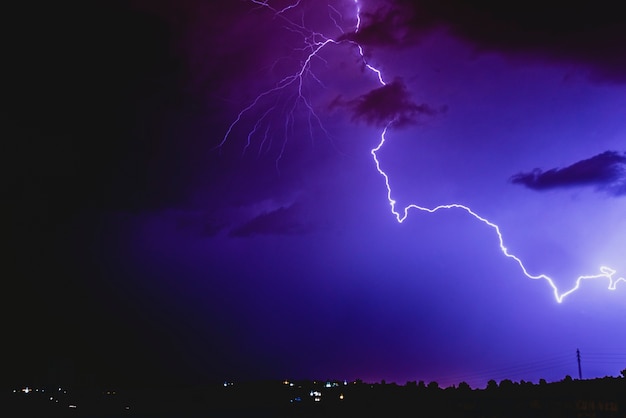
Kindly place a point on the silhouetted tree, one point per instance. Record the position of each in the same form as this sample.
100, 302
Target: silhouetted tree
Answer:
524, 383
506, 384
433, 386
623, 373
464, 386
491, 385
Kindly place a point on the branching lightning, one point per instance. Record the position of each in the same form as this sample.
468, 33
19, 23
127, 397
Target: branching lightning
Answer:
314, 42
605, 272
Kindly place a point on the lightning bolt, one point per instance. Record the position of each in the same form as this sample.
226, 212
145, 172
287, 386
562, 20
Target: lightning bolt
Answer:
401, 215
314, 42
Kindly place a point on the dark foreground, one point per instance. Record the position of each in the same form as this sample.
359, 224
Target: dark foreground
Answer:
568, 398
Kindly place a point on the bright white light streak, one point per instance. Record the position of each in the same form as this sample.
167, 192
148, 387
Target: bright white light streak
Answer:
314, 42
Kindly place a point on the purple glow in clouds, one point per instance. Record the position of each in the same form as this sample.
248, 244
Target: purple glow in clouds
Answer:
284, 189
313, 43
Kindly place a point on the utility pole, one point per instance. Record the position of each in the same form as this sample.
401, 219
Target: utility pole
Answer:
580, 373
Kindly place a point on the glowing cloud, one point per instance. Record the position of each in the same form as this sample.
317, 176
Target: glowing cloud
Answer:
390, 106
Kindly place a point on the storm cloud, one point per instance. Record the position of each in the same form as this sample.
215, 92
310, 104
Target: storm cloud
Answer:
281, 221
391, 102
594, 37
606, 171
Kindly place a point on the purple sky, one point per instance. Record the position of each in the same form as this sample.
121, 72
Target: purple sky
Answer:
141, 252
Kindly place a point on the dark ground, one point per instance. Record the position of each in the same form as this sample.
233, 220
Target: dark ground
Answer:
567, 398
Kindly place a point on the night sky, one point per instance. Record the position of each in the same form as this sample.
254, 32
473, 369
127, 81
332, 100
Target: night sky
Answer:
156, 236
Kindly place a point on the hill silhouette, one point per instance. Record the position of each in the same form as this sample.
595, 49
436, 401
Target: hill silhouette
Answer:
596, 398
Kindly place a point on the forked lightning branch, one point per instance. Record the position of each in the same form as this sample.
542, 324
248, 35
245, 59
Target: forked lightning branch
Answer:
312, 43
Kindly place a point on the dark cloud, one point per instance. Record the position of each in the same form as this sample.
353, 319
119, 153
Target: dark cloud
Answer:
593, 34
391, 102
282, 221
606, 171
386, 26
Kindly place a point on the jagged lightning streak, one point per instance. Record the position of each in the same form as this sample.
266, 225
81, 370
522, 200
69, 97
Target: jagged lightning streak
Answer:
315, 42
605, 272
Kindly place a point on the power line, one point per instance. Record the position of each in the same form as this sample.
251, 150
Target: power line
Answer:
525, 370
515, 370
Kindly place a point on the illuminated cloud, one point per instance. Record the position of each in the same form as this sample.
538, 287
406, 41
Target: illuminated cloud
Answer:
390, 102
606, 171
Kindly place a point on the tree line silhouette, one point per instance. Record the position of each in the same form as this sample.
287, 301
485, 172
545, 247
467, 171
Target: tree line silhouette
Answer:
595, 398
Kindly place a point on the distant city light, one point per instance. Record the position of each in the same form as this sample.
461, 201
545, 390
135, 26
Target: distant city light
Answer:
341, 396
27, 390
